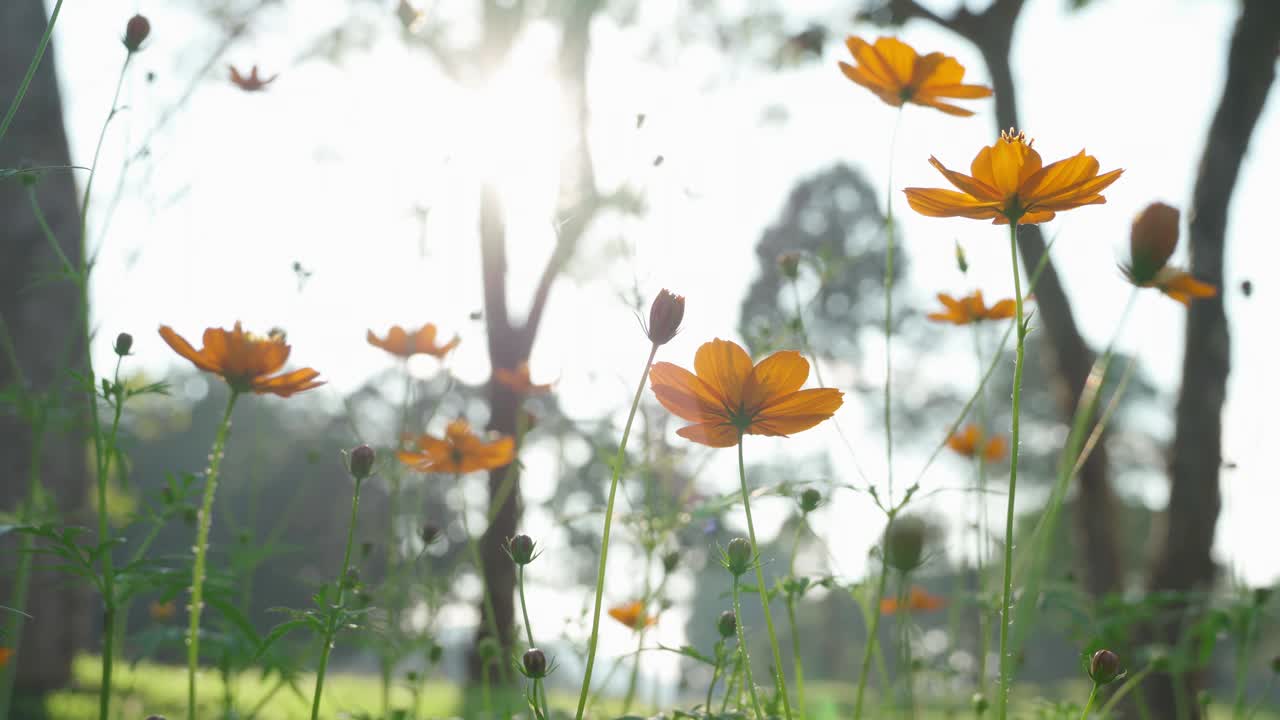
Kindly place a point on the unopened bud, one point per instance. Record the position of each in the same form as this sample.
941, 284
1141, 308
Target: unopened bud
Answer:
664, 317
789, 265
429, 534
436, 653
738, 556
362, 457
810, 500
521, 549
727, 624
962, 263
488, 649
1104, 667
670, 561
136, 32
535, 663
1152, 239
124, 343
904, 543
980, 703
352, 579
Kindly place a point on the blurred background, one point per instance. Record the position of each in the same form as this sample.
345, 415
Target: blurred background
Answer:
526, 175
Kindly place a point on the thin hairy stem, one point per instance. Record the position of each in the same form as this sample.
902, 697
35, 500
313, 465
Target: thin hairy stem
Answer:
743, 657
331, 629
888, 313
1006, 597
1088, 706
31, 70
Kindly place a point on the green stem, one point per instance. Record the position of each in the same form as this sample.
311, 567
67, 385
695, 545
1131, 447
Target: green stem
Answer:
491, 615
528, 631
743, 656
715, 673
204, 520
332, 627
888, 312
31, 70
795, 655
873, 634
103, 452
984, 420
22, 576
1129, 684
1006, 669
763, 589
1093, 695
618, 462
731, 686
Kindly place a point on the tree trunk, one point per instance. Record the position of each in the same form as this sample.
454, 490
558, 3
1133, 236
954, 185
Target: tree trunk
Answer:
1183, 563
41, 317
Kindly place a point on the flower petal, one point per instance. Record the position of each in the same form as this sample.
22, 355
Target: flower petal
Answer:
288, 383
797, 411
974, 187
781, 373
937, 202
898, 57
684, 393
184, 348
724, 366
719, 434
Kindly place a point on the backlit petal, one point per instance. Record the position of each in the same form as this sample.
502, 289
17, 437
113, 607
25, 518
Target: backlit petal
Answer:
288, 383
724, 367
683, 393
898, 56
797, 411
184, 348
974, 187
779, 374
937, 202
715, 434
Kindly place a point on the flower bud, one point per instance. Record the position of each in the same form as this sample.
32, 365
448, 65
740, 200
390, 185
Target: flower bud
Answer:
727, 624
664, 317
904, 543
789, 265
362, 458
962, 262
1275, 664
520, 548
535, 663
436, 653
135, 32
488, 649
429, 534
352, 579
411, 677
124, 343
738, 556
670, 561
1104, 667
809, 500
980, 703
1152, 239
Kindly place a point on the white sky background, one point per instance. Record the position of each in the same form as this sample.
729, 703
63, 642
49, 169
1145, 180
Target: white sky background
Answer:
327, 165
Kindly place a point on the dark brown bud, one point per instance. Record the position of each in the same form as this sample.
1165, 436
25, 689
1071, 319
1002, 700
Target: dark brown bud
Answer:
535, 663
1152, 239
1104, 667
727, 624
521, 549
670, 561
789, 265
810, 499
362, 458
664, 317
124, 343
136, 32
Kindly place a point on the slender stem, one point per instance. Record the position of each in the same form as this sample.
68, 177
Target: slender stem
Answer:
1129, 684
204, 520
760, 584
31, 70
715, 673
109, 614
491, 615
1006, 668
795, 656
904, 629
528, 631
888, 312
732, 685
335, 612
22, 576
743, 656
1093, 695
618, 462
983, 518
873, 634
1261, 698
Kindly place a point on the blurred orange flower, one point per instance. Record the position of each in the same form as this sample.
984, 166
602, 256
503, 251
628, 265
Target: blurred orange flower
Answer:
251, 82
970, 309
1009, 184
917, 599
161, 612
5, 654
728, 397
897, 74
404, 344
633, 615
1152, 240
461, 451
246, 361
969, 441
518, 381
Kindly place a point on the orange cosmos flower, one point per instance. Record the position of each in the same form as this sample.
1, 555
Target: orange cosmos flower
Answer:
246, 361
728, 397
972, 440
1010, 184
251, 82
917, 599
518, 381
1152, 240
161, 612
971, 309
633, 615
5, 654
461, 451
893, 71
404, 344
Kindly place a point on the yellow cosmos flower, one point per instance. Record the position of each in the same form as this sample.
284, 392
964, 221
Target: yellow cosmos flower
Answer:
728, 397
971, 309
917, 599
461, 451
162, 612
405, 344
972, 440
519, 382
897, 74
246, 361
633, 615
1011, 184
1152, 240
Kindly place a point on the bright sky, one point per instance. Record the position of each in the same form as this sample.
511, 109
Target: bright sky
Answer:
328, 165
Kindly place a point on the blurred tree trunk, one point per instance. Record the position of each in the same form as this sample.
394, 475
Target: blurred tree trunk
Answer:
1183, 562
1070, 358
41, 316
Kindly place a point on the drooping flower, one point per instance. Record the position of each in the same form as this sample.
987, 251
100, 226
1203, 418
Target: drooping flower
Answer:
918, 599
251, 82
1010, 184
162, 611
897, 74
728, 397
633, 615
1152, 240
971, 309
972, 441
246, 361
402, 343
518, 381
461, 451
